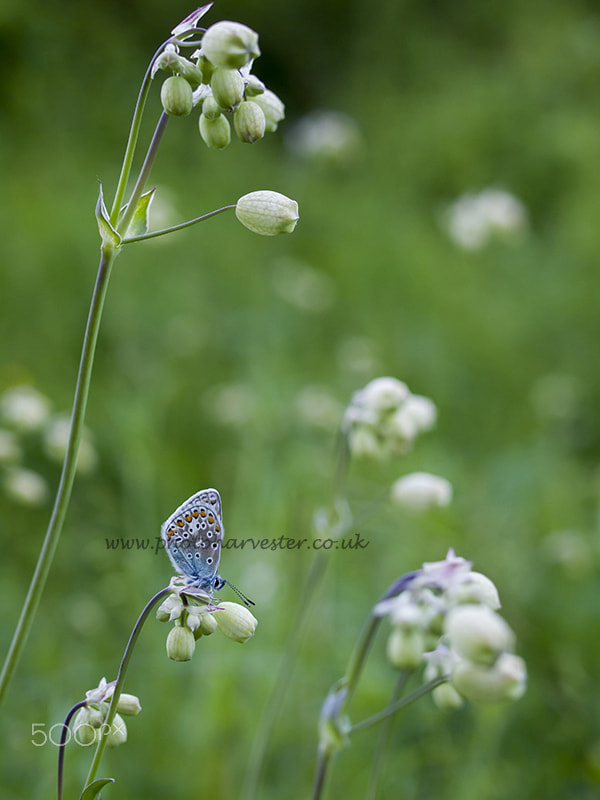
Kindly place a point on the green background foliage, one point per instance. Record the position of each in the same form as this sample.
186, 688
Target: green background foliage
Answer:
449, 98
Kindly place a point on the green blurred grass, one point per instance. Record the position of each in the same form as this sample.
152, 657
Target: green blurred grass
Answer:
449, 98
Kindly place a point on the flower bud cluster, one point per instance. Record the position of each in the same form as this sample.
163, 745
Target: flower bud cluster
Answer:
27, 425
90, 721
385, 418
446, 615
217, 79
192, 621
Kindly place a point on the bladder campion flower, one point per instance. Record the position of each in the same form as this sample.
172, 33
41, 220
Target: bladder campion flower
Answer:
267, 212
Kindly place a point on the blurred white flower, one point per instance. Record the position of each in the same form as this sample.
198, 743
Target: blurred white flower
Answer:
10, 449
382, 394
421, 410
318, 408
473, 219
505, 680
25, 487
420, 491
24, 408
328, 136
56, 437
478, 634
302, 286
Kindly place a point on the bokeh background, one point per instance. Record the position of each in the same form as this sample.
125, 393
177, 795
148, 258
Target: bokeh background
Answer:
225, 359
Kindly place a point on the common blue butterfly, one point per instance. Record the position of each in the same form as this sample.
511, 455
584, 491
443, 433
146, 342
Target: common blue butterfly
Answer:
192, 536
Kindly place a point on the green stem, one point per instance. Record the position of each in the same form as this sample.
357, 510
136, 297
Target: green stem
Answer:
61, 503
323, 763
61, 748
384, 736
179, 227
393, 707
119, 683
144, 173
358, 658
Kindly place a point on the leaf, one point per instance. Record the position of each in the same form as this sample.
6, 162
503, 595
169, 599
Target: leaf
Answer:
108, 234
141, 219
92, 792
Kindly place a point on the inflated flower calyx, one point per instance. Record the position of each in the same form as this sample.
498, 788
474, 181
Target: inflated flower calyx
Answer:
176, 96
215, 132
211, 109
235, 621
227, 87
272, 107
249, 122
267, 212
180, 643
230, 44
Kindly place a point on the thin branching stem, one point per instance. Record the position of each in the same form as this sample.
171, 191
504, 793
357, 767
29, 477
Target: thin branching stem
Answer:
179, 227
394, 707
119, 682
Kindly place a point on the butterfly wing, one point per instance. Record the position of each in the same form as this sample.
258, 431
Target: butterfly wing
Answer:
192, 536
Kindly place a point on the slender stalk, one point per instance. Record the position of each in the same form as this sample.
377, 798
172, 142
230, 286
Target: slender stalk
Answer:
144, 173
323, 763
393, 707
120, 680
358, 658
61, 749
65, 486
181, 226
384, 736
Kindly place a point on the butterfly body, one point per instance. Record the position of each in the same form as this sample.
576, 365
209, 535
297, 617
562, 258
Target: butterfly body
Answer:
192, 537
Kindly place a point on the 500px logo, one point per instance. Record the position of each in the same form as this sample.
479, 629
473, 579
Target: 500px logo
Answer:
84, 734
354, 542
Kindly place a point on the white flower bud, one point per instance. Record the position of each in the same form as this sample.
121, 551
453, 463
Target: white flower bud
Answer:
506, 680
267, 212
227, 87
215, 132
363, 443
85, 729
249, 122
235, 621
170, 609
177, 96
273, 109
405, 648
254, 86
446, 696
478, 634
129, 705
473, 588
420, 491
118, 732
180, 644
208, 625
383, 394
421, 410
230, 44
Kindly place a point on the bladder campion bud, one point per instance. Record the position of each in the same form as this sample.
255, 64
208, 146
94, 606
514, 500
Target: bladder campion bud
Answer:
208, 625
235, 621
210, 108
273, 109
180, 644
177, 96
249, 122
267, 213
230, 44
478, 634
118, 732
215, 132
227, 87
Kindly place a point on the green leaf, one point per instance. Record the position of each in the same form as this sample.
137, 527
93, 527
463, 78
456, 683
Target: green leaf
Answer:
108, 234
92, 792
141, 219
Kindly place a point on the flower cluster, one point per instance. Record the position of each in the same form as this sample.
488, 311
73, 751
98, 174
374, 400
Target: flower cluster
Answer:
218, 80
29, 426
446, 615
91, 718
385, 418
201, 619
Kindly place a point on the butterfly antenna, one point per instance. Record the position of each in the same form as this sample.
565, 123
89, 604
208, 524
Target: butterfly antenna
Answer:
245, 600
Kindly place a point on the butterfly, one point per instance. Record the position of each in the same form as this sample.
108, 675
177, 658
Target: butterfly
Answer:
193, 536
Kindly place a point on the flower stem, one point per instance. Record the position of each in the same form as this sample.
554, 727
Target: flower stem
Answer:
61, 748
384, 736
323, 763
181, 226
393, 707
61, 503
144, 173
119, 683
